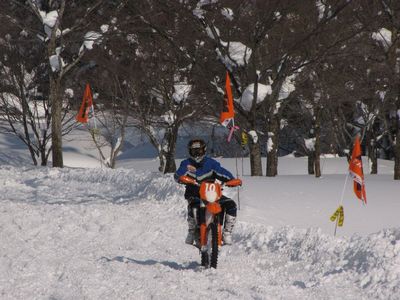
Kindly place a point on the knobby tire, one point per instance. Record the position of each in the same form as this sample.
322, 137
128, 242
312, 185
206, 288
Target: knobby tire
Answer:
214, 245
204, 259
209, 258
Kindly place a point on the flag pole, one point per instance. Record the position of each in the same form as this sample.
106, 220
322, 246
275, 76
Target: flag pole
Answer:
237, 176
237, 168
95, 131
344, 188
242, 163
341, 201
94, 118
336, 225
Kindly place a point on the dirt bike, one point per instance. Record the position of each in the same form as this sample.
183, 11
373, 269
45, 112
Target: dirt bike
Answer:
210, 218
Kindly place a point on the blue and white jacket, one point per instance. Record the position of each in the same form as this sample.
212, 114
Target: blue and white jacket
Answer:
207, 170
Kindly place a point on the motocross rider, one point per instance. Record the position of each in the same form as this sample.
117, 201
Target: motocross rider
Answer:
203, 168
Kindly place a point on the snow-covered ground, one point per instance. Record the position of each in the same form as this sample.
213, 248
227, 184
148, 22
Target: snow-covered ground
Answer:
85, 232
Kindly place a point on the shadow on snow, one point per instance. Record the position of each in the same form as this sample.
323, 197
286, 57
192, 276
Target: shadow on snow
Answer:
151, 262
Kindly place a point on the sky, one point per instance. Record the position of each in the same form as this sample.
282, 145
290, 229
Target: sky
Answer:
87, 232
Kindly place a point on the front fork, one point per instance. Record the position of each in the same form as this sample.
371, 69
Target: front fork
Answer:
205, 219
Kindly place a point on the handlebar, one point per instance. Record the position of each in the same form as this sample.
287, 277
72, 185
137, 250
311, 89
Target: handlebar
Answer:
234, 182
189, 180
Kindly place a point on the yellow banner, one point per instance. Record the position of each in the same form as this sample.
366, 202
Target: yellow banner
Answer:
338, 214
244, 139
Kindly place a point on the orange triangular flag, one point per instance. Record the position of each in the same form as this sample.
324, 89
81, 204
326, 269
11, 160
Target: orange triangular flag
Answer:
228, 112
86, 106
356, 171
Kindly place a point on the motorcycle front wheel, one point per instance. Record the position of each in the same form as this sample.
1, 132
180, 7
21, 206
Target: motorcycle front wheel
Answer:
209, 257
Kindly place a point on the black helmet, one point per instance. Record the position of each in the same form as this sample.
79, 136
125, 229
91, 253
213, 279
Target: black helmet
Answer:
197, 149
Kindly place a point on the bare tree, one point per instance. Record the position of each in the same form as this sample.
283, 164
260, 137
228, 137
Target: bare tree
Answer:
167, 94
159, 111
25, 107
264, 44
23, 111
60, 29
108, 129
382, 18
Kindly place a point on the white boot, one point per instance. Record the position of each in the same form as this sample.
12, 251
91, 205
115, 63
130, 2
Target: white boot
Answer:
191, 230
228, 227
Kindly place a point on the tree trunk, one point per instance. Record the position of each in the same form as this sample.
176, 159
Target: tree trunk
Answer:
212, 148
274, 122
397, 145
172, 135
115, 151
161, 158
373, 156
317, 158
272, 153
55, 100
43, 156
317, 151
254, 145
170, 166
393, 58
372, 151
311, 152
42, 142
56, 130
255, 158
310, 164
33, 155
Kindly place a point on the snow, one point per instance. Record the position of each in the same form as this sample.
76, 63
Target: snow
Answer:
49, 18
90, 39
283, 123
270, 145
384, 37
321, 9
69, 92
55, 63
239, 53
211, 34
181, 92
277, 107
86, 232
287, 87
11, 100
246, 101
227, 13
169, 117
310, 144
198, 12
104, 28
254, 136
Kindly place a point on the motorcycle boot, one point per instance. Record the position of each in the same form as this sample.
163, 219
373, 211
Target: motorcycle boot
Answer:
228, 227
190, 238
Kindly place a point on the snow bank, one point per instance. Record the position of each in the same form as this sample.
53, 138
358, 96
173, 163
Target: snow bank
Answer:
57, 186
312, 260
119, 234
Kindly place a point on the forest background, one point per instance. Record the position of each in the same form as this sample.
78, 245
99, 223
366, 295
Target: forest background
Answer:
307, 76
